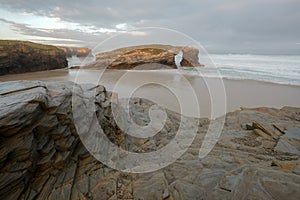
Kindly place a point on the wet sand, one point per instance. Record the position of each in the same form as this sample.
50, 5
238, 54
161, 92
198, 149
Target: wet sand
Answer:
179, 92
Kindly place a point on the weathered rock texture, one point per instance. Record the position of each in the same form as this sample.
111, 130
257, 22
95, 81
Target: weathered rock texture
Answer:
76, 51
21, 56
42, 157
146, 57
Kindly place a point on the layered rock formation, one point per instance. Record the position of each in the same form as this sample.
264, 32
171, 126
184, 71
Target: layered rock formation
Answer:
42, 156
146, 57
76, 51
21, 56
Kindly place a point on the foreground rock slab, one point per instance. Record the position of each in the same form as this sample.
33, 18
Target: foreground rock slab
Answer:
42, 156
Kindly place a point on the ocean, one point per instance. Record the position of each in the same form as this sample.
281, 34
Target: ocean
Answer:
281, 69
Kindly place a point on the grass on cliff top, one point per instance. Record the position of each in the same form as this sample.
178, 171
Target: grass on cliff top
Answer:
27, 43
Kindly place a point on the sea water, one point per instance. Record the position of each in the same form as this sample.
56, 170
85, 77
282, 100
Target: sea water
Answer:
80, 61
282, 69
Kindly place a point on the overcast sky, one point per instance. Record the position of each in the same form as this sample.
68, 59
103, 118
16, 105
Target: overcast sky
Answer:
234, 26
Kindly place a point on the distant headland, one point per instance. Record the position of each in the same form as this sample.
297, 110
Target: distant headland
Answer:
23, 56
76, 51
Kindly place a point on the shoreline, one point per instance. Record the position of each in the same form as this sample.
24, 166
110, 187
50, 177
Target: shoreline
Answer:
60, 72
239, 93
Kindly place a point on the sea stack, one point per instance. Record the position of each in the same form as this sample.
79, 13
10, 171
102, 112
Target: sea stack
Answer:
155, 56
76, 51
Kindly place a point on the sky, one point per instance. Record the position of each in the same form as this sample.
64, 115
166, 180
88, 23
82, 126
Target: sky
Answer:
220, 26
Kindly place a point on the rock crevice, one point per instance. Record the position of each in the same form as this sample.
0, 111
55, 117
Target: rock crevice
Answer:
43, 157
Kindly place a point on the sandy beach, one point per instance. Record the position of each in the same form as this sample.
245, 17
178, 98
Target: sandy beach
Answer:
163, 87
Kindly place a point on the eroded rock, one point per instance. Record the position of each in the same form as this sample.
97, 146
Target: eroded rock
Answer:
42, 156
146, 57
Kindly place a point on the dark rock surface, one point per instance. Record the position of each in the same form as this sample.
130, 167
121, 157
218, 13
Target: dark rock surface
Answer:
21, 56
146, 57
42, 157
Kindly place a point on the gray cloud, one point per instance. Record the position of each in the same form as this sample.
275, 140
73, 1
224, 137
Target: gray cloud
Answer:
250, 26
63, 36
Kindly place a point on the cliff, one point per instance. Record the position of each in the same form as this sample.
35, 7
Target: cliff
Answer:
43, 157
21, 56
76, 51
146, 57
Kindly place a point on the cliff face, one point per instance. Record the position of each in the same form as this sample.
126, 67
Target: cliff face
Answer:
42, 156
76, 51
146, 57
20, 57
